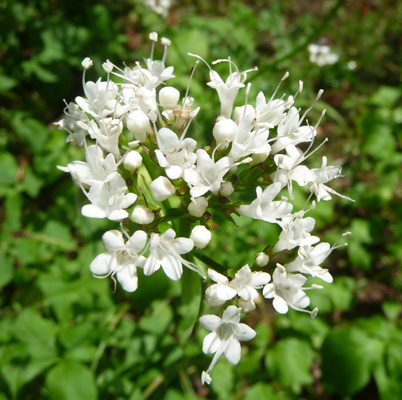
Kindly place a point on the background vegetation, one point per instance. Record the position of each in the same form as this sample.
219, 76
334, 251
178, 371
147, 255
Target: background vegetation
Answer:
66, 335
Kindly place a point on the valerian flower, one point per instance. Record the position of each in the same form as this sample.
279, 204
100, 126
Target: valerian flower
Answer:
226, 334
121, 258
287, 291
165, 251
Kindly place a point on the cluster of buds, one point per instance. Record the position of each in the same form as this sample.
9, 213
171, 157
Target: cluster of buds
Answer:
164, 189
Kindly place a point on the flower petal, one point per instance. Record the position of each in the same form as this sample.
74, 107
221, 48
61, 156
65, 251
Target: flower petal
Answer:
233, 351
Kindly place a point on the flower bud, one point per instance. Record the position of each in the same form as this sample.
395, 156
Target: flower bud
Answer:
226, 189
241, 112
142, 215
162, 188
201, 236
198, 206
132, 161
224, 132
168, 97
138, 124
246, 305
261, 259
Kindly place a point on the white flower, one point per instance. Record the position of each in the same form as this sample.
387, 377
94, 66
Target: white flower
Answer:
321, 55
248, 141
226, 334
264, 208
121, 259
100, 98
291, 133
289, 169
165, 251
246, 282
295, 232
97, 168
70, 124
106, 132
207, 175
174, 154
162, 188
220, 292
308, 261
323, 175
109, 200
244, 285
201, 236
286, 290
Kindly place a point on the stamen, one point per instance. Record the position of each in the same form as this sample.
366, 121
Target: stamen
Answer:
279, 85
189, 81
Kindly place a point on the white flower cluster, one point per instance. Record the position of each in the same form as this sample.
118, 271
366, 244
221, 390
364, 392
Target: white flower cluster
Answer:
321, 54
142, 171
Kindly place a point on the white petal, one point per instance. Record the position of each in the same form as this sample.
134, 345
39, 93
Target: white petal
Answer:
210, 322
118, 215
231, 314
172, 267
183, 245
92, 211
244, 333
233, 351
248, 293
137, 241
211, 343
280, 305
113, 240
128, 278
260, 278
101, 265
151, 265
269, 291
216, 276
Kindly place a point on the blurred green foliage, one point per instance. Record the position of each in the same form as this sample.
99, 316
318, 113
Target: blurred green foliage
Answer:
65, 335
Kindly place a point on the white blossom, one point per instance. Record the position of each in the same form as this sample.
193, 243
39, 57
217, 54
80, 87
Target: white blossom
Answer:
226, 334
121, 258
165, 251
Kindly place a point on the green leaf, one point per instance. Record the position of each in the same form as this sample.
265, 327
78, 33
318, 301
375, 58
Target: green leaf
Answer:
6, 269
70, 380
289, 361
348, 356
261, 391
8, 168
385, 96
37, 333
187, 41
223, 379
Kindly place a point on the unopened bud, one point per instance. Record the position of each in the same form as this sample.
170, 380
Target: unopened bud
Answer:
261, 259
201, 236
138, 124
142, 215
153, 36
226, 189
168, 97
162, 188
241, 112
198, 206
224, 132
132, 161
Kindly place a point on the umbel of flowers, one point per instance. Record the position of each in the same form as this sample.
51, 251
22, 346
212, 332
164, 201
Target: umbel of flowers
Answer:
144, 171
